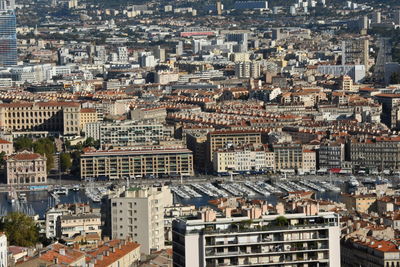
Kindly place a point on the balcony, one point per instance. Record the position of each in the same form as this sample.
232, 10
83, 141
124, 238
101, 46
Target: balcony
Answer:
267, 228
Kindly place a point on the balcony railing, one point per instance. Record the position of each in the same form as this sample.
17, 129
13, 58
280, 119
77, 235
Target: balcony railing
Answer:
261, 229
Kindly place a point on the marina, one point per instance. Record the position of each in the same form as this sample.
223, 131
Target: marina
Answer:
195, 193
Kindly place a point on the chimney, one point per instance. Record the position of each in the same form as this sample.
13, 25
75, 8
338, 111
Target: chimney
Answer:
62, 251
55, 260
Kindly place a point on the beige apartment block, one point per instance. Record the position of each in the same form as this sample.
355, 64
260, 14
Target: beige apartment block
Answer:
141, 163
75, 224
221, 139
61, 117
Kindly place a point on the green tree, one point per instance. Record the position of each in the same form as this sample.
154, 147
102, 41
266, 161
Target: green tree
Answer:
21, 230
46, 147
395, 78
281, 221
65, 161
23, 143
2, 158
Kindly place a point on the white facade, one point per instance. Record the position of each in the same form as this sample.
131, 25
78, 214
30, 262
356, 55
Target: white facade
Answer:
239, 160
356, 72
3, 250
139, 213
222, 242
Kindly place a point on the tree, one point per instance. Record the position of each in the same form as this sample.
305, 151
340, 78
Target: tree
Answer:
281, 221
21, 230
23, 143
45, 146
395, 78
2, 159
65, 161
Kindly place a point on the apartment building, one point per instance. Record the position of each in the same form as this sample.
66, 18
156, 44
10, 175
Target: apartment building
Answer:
60, 117
70, 225
370, 252
3, 250
129, 133
292, 156
303, 240
309, 163
138, 213
222, 139
197, 143
157, 114
116, 164
54, 225
51, 221
253, 159
358, 202
390, 109
331, 155
380, 153
88, 115
26, 168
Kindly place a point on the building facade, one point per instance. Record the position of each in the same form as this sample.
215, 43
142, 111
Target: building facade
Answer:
60, 117
3, 250
8, 38
126, 134
142, 163
26, 168
75, 224
311, 240
222, 139
380, 153
138, 213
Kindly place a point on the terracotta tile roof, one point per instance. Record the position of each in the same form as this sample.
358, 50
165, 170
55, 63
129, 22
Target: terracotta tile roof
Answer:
88, 110
113, 256
25, 156
2, 141
68, 257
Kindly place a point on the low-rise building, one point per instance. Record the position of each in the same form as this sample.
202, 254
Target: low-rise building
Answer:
26, 168
114, 253
78, 224
359, 203
56, 254
6, 147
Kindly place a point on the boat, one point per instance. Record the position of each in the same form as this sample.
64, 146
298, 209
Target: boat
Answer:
12, 197
353, 182
22, 197
60, 190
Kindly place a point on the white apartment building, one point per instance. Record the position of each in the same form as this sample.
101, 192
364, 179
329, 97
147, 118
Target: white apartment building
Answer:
129, 133
3, 250
51, 222
242, 160
138, 213
306, 239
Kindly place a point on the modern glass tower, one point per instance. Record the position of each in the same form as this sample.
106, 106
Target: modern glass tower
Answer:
8, 38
